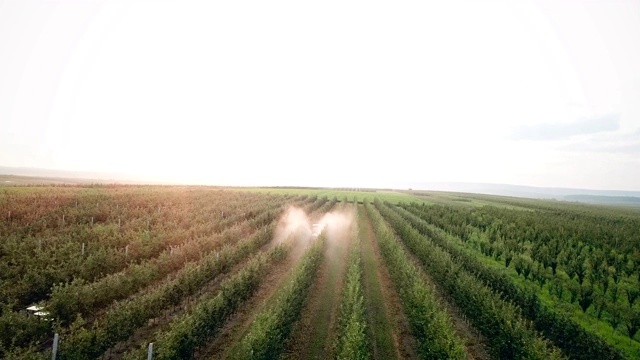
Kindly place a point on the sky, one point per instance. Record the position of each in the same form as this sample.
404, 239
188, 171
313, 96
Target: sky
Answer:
330, 93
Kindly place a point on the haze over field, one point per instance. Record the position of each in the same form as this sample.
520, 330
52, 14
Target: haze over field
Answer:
361, 94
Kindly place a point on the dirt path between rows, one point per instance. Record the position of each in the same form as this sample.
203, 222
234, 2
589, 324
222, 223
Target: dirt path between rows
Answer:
147, 333
388, 327
314, 335
240, 322
474, 342
223, 345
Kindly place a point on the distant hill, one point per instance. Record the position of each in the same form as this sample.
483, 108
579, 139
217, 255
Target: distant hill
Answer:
48, 173
609, 200
612, 197
23, 175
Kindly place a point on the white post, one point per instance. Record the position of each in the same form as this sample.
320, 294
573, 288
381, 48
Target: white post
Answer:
92, 221
150, 352
9, 215
82, 248
40, 244
126, 251
54, 351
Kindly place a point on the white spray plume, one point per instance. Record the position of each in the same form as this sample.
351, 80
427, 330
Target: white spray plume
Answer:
294, 220
335, 224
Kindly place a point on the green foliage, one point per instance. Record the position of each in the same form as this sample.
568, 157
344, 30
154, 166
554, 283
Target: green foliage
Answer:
357, 195
510, 336
573, 339
134, 238
430, 324
352, 338
577, 282
272, 326
185, 334
125, 317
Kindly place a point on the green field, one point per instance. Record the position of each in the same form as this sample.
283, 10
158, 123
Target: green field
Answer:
342, 195
299, 273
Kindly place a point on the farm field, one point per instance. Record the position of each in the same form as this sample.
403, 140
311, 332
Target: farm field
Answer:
283, 273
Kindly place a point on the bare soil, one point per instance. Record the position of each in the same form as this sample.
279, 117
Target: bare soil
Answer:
389, 313
239, 324
314, 335
145, 334
474, 342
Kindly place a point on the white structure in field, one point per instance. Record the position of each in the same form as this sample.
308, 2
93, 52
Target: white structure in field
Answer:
38, 311
316, 229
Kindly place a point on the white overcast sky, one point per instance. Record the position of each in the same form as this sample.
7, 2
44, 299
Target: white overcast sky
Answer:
325, 93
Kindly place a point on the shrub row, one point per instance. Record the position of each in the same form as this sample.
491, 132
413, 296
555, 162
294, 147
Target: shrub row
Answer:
509, 335
574, 340
80, 297
430, 324
87, 298
352, 342
125, 317
202, 323
272, 326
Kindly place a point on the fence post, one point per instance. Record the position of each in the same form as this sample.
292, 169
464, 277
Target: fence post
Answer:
54, 352
150, 352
